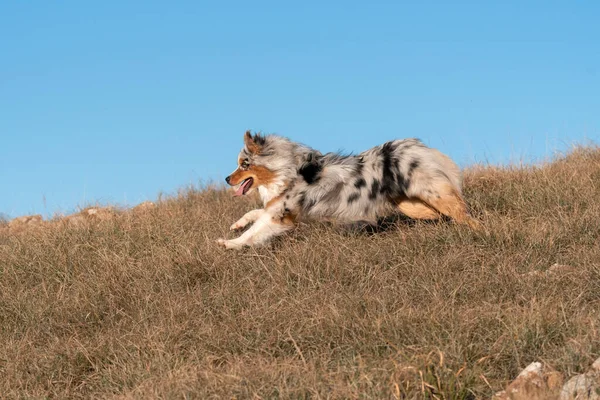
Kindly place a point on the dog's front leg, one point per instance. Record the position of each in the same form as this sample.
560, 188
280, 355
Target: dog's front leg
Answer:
249, 217
264, 229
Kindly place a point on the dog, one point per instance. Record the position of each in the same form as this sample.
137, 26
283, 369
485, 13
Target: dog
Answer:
296, 183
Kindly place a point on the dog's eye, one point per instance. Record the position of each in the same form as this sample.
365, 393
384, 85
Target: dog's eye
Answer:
245, 164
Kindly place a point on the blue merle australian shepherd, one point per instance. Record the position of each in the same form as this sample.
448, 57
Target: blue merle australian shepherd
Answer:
298, 183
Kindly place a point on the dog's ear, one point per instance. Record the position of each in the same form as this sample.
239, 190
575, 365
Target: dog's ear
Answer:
252, 144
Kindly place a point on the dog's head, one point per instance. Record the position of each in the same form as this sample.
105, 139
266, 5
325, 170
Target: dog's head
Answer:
252, 170
267, 160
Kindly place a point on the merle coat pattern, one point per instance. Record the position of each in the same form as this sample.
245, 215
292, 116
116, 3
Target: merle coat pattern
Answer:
296, 183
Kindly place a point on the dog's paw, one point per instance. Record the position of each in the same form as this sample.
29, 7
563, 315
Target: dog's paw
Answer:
229, 244
238, 226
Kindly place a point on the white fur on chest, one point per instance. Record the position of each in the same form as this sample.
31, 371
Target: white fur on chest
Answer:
269, 192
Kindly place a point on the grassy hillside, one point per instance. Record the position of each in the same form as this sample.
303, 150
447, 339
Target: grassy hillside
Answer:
145, 305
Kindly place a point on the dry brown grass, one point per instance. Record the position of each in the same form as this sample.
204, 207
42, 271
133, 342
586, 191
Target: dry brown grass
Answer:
145, 305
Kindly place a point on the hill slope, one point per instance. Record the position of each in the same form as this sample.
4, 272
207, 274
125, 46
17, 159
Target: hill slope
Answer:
145, 305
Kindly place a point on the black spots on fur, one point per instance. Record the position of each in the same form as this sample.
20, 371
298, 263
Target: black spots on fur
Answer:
309, 204
310, 172
413, 165
404, 182
389, 148
389, 185
360, 165
374, 189
360, 183
411, 168
259, 139
353, 197
312, 157
305, 204
428, 193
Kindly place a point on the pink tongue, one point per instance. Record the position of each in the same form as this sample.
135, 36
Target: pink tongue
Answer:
240, 190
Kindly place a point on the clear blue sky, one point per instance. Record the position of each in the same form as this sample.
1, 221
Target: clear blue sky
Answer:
116, 101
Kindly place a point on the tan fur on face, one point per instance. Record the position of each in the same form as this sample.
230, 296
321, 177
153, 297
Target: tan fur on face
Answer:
261, 175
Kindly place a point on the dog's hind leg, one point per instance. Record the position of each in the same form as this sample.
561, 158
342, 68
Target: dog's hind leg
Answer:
248, 218
417, 209
449, 202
